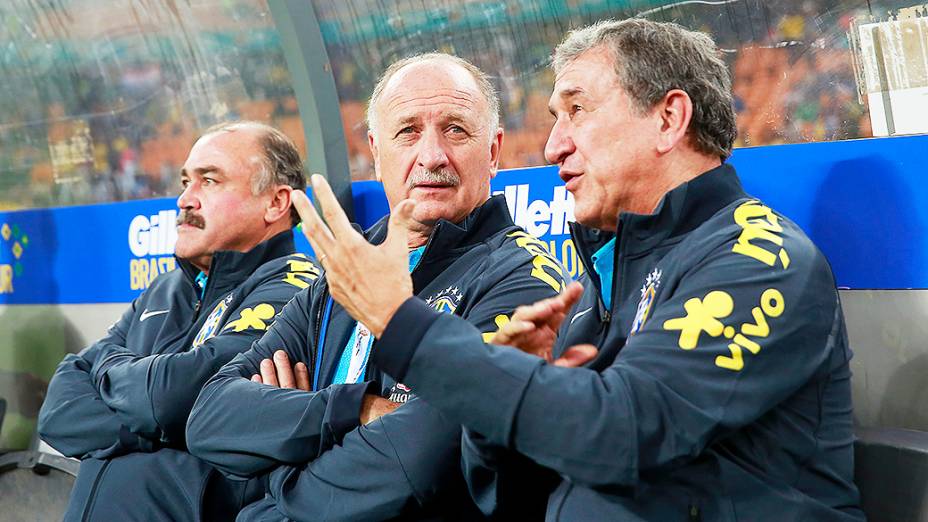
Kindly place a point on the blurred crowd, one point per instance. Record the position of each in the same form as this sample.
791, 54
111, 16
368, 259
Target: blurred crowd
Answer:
107, 140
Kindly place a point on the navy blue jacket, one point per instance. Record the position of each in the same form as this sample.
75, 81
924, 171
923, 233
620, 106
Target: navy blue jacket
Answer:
404, 465
721, 390
121, 405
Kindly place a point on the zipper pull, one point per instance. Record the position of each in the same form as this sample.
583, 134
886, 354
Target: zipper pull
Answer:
607, 316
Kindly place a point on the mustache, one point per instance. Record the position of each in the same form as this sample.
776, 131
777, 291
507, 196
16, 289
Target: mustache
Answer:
433, 177
187, 217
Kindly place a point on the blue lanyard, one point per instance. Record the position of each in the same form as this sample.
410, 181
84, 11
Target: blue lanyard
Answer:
414, 257
321, 344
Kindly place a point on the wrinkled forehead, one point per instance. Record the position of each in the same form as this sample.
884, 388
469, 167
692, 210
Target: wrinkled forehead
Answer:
429, 89
592, 73
234, 152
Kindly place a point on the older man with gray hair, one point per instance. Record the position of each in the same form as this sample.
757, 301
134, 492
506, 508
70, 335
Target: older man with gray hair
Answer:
720, 387
121, 405
338, 438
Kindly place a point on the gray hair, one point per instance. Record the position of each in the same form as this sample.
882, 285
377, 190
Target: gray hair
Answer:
281, 164
483, 84
653, 58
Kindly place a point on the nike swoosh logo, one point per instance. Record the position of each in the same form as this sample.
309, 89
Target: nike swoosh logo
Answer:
146, 314
581, 313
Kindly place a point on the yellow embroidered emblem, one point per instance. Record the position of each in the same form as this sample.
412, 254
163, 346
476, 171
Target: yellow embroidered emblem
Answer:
301, 273
501, 320
253, 318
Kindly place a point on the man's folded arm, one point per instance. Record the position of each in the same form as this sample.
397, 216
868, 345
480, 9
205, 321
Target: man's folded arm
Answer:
398, 462
153, 394
659, 404
74, 419
245, 428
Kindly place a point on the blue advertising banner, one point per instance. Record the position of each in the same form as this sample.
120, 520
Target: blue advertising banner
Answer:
863, 202
85, 254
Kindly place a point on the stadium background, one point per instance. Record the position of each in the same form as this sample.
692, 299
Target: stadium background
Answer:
101, 101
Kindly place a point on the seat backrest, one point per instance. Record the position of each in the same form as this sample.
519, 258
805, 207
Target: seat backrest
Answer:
891, 471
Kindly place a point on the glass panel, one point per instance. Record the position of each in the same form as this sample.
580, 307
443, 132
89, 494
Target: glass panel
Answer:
101, 100
792, 61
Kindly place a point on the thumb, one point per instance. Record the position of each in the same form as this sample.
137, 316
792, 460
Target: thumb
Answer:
398, 225
577, 355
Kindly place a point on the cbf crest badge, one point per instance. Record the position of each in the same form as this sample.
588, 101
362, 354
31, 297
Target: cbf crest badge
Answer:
648, 292
211, 326
447, 300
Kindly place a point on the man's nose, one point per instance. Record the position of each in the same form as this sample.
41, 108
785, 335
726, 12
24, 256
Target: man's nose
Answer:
432, 155
559, 145
188, 199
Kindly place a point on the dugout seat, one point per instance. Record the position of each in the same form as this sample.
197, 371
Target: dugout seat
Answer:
891, 471
36, 483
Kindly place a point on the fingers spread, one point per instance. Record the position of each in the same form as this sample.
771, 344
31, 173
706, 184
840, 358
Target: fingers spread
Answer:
398, 226
334, 215
318, 234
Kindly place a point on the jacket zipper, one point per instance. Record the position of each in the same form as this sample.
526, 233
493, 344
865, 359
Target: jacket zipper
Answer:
322, 316
604, 313
91, 499
316, 328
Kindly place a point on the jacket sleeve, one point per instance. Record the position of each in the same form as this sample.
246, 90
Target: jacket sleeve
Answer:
733, 338
245, 428
502, 483
412, 456
153, 394
74, 419
379, 472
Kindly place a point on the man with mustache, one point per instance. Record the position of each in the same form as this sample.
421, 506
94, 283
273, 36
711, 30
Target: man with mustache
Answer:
721, 388
121, 405
339, 439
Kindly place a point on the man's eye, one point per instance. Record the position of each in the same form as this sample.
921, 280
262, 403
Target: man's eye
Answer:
209, 181
184, 183
406, 130
575, 108
456, 129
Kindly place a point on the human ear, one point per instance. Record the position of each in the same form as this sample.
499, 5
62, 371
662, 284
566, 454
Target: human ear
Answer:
495, 147
279, 205
675, 111
372, 144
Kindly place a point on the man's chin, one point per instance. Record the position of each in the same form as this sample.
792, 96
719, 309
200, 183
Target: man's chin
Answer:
184, 250
429, 213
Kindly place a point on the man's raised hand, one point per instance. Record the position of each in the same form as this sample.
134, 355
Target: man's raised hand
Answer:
370, 282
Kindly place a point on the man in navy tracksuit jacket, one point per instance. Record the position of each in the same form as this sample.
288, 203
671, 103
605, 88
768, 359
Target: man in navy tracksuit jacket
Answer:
325, 460
721, 388
121, 405
404, 465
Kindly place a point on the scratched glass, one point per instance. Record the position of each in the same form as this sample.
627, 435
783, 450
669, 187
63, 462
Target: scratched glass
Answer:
102, 99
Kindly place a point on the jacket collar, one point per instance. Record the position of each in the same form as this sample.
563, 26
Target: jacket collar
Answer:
449, 240
683, 209
229, 268
680, 211
480, 224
